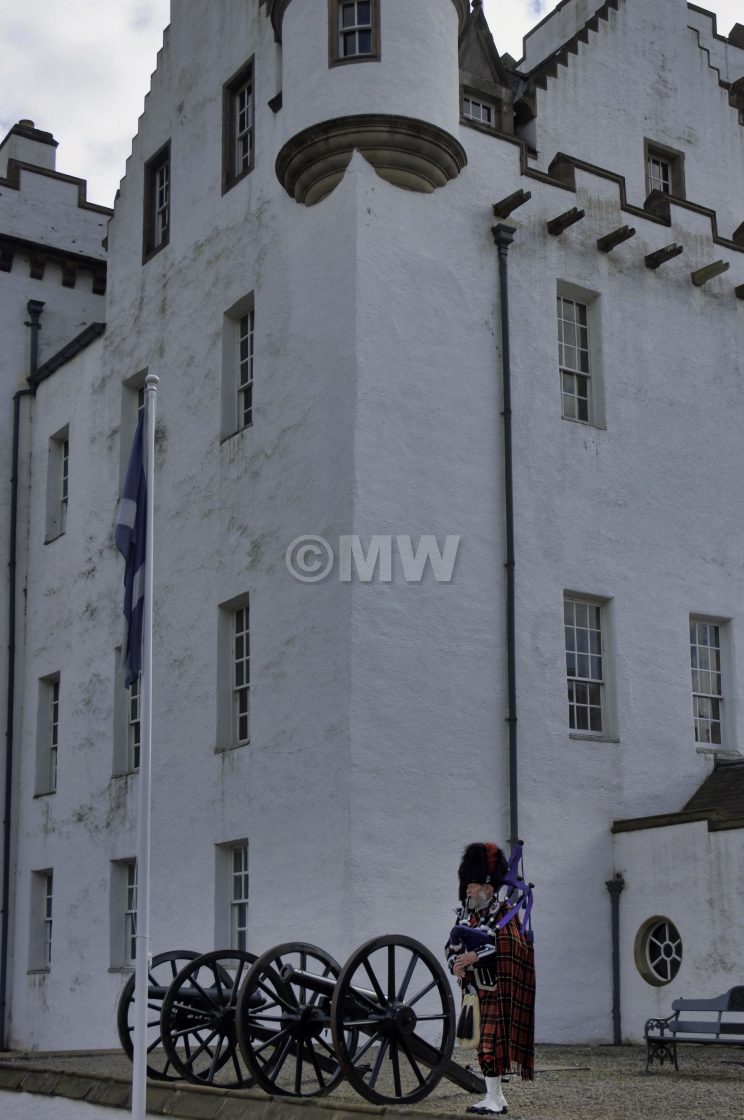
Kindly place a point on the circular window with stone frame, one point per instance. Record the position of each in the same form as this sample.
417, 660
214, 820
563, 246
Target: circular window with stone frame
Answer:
658, 951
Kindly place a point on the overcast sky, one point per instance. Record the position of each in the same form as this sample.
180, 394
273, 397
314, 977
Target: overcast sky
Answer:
81, 68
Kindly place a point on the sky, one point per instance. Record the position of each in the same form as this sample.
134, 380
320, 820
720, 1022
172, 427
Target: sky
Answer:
81, 68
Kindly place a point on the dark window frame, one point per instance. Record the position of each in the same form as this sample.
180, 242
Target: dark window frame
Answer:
230, 90
151, 246
335, 57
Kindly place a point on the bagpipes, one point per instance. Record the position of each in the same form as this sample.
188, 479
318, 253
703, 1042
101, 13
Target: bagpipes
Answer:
518, 903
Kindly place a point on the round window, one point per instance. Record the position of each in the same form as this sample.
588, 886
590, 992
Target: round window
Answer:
658, 951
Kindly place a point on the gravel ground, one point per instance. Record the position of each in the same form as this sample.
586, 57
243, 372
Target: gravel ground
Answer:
571, 1083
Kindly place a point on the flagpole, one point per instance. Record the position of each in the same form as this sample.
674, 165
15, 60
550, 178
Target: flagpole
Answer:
142, 941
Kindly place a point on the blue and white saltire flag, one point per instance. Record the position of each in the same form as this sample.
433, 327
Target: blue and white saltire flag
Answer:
131, 536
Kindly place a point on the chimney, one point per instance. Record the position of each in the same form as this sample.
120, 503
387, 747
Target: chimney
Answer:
28, 144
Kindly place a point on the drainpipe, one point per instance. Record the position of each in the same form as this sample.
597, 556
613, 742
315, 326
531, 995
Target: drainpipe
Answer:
615, 887
503, 235
35, 307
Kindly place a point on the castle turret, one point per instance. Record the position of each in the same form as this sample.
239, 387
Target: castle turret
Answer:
379, 76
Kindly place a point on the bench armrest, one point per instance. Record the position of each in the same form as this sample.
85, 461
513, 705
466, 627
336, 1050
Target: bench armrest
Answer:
659, 1025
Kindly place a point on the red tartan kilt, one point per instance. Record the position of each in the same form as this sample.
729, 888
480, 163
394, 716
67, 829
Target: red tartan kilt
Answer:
507, 1014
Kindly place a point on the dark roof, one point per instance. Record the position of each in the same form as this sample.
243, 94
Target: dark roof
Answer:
719, 801
78, 343
722, 791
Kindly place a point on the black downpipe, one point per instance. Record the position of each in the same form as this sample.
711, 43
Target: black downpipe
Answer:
503, 235
615, 887
35, 308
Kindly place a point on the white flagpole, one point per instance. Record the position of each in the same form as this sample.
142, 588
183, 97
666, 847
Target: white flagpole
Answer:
142, 959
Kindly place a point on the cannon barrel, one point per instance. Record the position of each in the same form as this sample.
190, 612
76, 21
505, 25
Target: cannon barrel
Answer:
323, 985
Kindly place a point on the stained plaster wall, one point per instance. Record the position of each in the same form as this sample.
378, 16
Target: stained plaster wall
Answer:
560, 25
43, 208
692, 877
378, 736
671, 95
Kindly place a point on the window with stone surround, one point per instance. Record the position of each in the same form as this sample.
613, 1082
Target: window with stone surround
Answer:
585, 664
58, 484
47, 734
353, 31
234, 674
579, 361
707, 680
157, 202
665, 169
238, 127
658, 951
123, 913
127, 730
239, 897
238, 362
231, 894
40, 940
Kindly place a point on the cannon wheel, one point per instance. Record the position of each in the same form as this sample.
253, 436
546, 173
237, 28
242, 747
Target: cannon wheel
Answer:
394, 991
162, 973
284, 1024
197, 1022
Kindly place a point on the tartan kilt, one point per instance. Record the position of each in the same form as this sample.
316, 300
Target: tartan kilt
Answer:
507, 1014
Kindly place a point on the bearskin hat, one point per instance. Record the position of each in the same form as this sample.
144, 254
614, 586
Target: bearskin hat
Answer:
481, 863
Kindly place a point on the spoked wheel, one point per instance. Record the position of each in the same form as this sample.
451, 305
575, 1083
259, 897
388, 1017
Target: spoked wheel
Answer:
165, 967
197, 1022
394, 991
284, 1021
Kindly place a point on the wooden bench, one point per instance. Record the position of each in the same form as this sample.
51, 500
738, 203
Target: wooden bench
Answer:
712, 1022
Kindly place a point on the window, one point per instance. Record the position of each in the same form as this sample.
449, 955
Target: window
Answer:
130, 913
156, 226
239, 898
40, 947
123, 913
127, 736
658, 951
47, 735
53, 733
65, 479
354, 30
47, 919
479, 111
659, 174
573, 359
241, 673
238, 354
245, 369
664, 170
582, 620
238, 116
133, 725
707, 693
58, 484
132, 404
233, 674
231, 894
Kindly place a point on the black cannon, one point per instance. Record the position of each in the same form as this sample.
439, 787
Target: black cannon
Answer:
295, 1023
